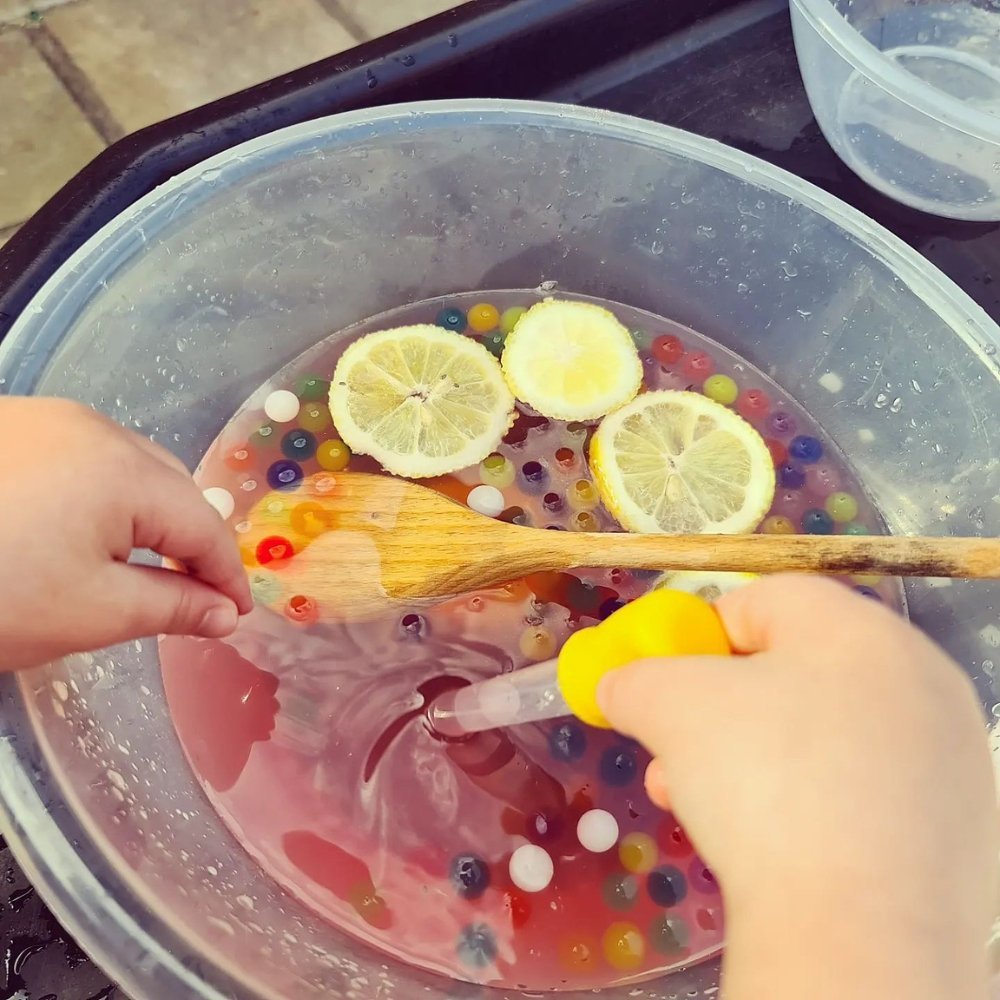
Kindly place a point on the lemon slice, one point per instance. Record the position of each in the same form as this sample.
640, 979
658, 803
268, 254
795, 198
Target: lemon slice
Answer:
571, 361
680, 463
421, 400
706, 584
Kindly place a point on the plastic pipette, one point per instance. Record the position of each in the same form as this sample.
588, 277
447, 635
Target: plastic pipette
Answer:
661, 623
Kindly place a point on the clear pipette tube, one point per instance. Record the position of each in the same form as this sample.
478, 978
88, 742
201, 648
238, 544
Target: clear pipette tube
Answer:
525, 695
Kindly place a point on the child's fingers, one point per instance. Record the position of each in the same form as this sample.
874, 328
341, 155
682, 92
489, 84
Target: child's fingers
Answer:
150, 600
174, 520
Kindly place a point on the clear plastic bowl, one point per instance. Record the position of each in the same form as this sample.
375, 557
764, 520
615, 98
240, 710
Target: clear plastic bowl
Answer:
170, 316
908, 94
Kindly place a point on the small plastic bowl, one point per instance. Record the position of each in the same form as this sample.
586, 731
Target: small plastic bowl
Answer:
909, 96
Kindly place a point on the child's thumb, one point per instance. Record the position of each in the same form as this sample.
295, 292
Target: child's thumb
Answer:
672, 705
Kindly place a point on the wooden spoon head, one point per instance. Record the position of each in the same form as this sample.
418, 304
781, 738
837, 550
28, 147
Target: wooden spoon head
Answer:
350, 545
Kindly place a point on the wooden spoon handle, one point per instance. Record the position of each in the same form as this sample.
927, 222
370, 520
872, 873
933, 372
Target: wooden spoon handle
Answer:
974, 558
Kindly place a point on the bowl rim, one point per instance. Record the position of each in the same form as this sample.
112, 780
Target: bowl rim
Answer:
905, 87
28, 792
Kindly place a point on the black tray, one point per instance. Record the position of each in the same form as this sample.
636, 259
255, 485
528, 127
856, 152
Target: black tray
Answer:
722, 68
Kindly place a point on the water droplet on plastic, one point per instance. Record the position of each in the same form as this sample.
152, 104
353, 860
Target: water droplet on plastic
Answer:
656, 248
789, 270
408, 61
881, 401
896, 405
453, 41
371, 79
742, 288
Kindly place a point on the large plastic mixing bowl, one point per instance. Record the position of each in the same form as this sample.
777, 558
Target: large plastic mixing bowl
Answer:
908, 94
173, 314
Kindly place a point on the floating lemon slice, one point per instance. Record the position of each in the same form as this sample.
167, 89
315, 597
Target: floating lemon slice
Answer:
680, 463
421, 400
571, 361
706, 584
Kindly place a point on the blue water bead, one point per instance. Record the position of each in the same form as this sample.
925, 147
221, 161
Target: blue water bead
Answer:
609, 607
477, 947
284, 475
568, 742
299, 445
470, 876
666, 886
805, 448
452, 319
868, 592
791, 476
618, 766
817, 522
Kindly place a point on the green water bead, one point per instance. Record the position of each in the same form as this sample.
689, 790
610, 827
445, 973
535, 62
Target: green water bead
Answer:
620, 891
312, 388
265, 587
495, 470
722, 389
265, 437
509, 318
842, 507
855, 529
642, 339
494, 342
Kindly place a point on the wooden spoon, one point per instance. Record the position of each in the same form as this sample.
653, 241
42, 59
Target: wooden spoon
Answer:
366, 543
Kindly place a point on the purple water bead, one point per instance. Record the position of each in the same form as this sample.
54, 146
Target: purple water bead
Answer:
533, 472
791, 477
284, 475
781, 423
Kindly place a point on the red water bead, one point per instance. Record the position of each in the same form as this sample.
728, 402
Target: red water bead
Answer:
302, 609
778, 451
753, 404
698, 365
667, 350
240, 457
566, 457
274, 548
518, 908
673, 840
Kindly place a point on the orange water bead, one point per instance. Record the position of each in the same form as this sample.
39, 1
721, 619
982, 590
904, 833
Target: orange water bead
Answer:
777, 526
578, 953
582, 495
311, 519
484, 317
302, 609
538, 644
584, 521
333, 455
566, 457
239, 457
624, 946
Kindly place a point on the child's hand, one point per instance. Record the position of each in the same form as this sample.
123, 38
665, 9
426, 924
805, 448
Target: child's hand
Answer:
837, 779
78, 493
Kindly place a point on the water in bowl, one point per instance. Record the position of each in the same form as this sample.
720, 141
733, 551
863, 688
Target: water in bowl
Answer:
310, 737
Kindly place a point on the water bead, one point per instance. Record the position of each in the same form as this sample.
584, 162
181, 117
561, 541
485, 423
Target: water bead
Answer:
311, 519
791, 504
638, 853
568, 742
582, 495
451, 319
779, 453
577, 953
370, 906
484, 317
248, 485
264, 586
584, 521
509, 318
822, 479
817, 522
667, 350
299, 445
806, 448
698, 365
666, 886
642, 339
842, 507
609, 607
618, 766
575, 429
721, 388
477, 947
566, 457
222, 500
281, 406
541, 827
314, 417
494, 342
537, 644
470, 876
620, 891
777, 525
324, 484
284, 475
552, 502
868, 592
239, 458
669, 935
312, 388
513, 515
531, 868
274, 548
486, 500
333, 455
781, 423
263, 436
791, 477
624, 947
302, 609
708, 919
412, 626
856, 529
753, 404
496, 470
673, 840
701, 879
533, 472
597, 831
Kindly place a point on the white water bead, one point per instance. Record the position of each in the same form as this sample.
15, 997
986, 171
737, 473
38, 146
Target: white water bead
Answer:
281, 406
597, 831
486, 500
222, 500
531, 868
